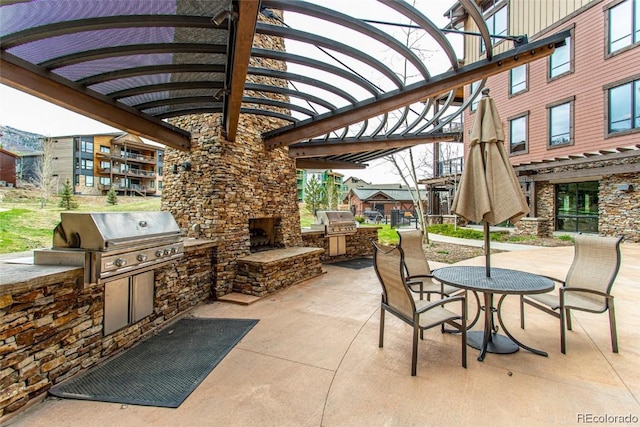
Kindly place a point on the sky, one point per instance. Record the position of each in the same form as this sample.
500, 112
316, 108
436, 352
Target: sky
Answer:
28, 113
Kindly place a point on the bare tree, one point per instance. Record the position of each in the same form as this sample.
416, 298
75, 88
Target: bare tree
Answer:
43, 177
407, 170
404, 162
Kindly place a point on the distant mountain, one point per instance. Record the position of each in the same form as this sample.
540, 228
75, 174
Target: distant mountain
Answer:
19, 141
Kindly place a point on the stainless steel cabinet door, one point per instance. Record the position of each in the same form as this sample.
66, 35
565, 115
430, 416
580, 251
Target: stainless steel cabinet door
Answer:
141, 296
116, 305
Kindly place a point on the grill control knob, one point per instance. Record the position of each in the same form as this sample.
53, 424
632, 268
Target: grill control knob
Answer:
120, 262
159, 253
142, 257
166, 252
174, 250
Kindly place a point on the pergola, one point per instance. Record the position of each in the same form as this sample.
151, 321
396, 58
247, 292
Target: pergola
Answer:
133, 64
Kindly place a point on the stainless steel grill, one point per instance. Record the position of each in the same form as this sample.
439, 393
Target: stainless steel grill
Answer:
335, 223
120, 250
113, 244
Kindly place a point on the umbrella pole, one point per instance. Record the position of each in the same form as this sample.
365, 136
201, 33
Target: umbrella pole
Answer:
487, 249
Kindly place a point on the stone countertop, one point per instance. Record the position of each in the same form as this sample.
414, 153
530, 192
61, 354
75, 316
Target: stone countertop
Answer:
311, 231
19, 274
191, 243
17, 278
274, 255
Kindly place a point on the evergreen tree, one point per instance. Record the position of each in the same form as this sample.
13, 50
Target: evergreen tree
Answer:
66, 197
314, 195
333, 194
112, 196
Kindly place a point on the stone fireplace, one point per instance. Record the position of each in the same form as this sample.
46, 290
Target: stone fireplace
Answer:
264, 234
230, 185
236, 187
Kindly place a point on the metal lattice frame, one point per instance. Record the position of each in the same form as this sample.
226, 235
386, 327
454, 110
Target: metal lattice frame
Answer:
134, 64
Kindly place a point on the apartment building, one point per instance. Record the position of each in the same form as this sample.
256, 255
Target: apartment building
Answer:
325, 177
95, 163
572, 121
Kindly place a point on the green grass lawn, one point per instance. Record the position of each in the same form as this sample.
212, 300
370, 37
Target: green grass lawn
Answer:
26, 225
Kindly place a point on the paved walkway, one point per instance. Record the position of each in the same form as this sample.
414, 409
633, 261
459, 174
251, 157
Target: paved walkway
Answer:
313, 360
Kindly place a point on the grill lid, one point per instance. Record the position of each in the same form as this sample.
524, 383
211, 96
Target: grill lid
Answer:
332, 217
110, 230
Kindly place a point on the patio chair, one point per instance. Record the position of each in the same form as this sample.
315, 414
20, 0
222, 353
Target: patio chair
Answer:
419, 277
587, 286
420, 314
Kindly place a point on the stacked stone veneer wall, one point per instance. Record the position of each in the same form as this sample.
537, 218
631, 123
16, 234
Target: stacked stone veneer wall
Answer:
229, 183
357, 245
532, 227
267, 272
233, 181
53, 329
619, 212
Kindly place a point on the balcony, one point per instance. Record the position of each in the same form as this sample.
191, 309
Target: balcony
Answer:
132, 172
450, 167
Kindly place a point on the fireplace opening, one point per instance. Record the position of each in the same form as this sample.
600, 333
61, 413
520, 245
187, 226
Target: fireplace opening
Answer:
262, 234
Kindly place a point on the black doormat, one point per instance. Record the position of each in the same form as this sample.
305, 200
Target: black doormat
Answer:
355, 264
162, 370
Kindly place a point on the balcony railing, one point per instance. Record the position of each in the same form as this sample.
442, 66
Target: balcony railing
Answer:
129, 156
131, 172
450, 166
140, 189
453, 127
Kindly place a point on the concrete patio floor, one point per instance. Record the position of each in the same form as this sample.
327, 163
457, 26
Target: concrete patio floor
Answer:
313, 360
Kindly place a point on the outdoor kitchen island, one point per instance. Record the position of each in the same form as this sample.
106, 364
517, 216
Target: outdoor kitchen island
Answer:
51, 324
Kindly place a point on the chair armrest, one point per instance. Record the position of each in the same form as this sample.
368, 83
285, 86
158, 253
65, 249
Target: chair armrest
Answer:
585, 290
441, 302
418, 276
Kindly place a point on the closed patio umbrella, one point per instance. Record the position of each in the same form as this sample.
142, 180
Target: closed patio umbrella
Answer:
489, 191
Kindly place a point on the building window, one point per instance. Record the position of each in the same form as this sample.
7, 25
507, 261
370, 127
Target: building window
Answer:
623, 21
518, 135
474, 88
86, 145
105, 181
105, 165
104, 149
518, 80
624, 107
560, 61
88, 180
86, 164
560, 124
577, 207
497, 25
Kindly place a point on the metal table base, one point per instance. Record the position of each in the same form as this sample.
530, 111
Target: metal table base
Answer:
498, 344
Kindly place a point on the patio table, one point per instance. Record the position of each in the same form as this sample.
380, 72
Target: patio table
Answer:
504, 282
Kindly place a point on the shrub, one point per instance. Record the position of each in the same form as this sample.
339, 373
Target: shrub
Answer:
359, 219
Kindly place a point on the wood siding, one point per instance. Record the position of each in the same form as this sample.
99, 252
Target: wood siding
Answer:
62, 164
530, 17
592, 73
